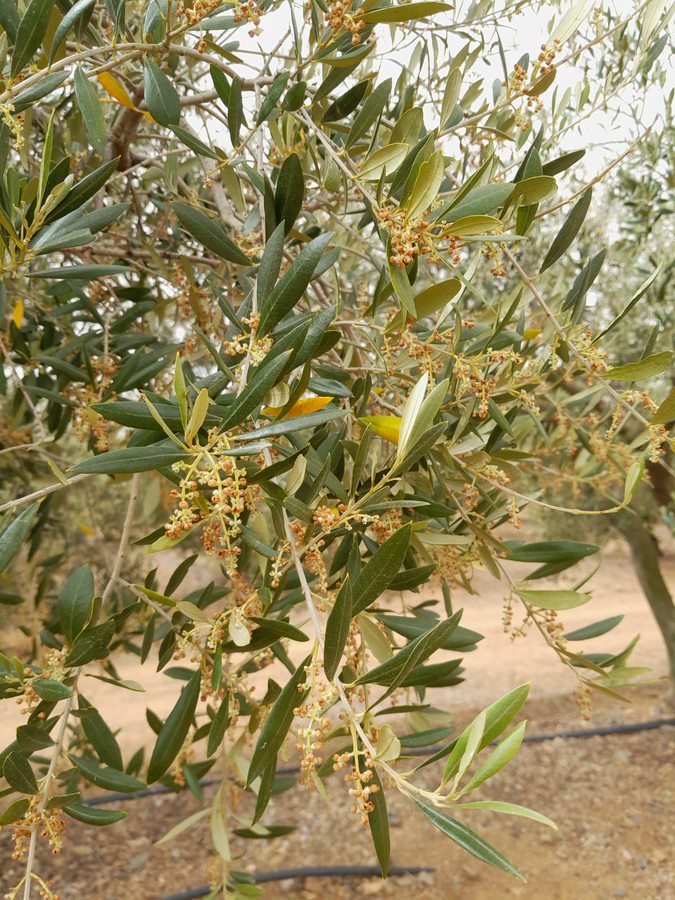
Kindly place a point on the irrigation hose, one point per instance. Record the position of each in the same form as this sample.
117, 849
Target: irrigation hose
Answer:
308, 872
368, 871
600, 731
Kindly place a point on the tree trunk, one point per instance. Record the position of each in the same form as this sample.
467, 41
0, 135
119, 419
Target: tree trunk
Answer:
646, 561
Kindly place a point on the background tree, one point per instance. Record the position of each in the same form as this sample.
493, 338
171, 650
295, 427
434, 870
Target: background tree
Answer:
192, 317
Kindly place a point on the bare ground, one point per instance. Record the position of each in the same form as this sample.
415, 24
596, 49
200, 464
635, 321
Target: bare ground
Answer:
613, 798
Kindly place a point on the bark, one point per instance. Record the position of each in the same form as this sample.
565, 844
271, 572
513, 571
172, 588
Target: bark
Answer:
645, 555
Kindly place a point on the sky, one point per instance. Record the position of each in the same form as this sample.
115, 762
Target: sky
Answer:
605, 135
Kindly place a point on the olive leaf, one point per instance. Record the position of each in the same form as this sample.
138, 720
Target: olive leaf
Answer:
337, 630
174, 730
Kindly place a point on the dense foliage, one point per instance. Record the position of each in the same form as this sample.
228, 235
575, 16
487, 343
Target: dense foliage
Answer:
294, 280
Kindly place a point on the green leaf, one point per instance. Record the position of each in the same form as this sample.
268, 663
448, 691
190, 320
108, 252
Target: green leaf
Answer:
161, 96
74, 604
261, 380
551, 551
292, 285
14, 811
413, 626
337, 630
509, 808
220, 83
266, 832
94, 815
9, 19
175, 729
569, 230
295, 96
51, 689
117, 12
562, 163
190, 140
32, 738
91, 644
554, 599
645, 368
467, 839
422, 420
154, 23
76, 11
370, 111
470, 226
265, 789
380, 570
405, 12
533, 190
106, 777
478, 201
555, 555
666, 411
100, 735
156, 415
634, 476
19, 774
37, 91
183, 825
32, 28
270, 263
411, 410
594, 630
283, 629
58, 801
472, 743
209, 233
84, 190
131, 459
91, 109
383, 160
14, 534
198, 415
450, 95
436, 296
273, 96
45, 162
401, 285
378, 821
583, 282
235, 111
427, 185
497, 717
180, 390
218, 726
82, 273
499, 758
394, 670
289, 192
277, 723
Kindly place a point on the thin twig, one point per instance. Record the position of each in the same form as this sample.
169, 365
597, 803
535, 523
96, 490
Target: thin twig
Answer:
61, 736
51, 489
39, 427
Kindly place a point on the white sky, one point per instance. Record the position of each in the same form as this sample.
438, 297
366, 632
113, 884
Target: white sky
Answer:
604, 135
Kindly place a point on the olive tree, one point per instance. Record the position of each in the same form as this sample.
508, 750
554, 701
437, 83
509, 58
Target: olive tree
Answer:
286, 277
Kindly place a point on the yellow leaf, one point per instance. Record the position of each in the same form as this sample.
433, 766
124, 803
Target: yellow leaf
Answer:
531, 333
117, 91
17, 313
387, 427
301, 408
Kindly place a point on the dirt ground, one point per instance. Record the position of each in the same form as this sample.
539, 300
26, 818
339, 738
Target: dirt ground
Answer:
612, 797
